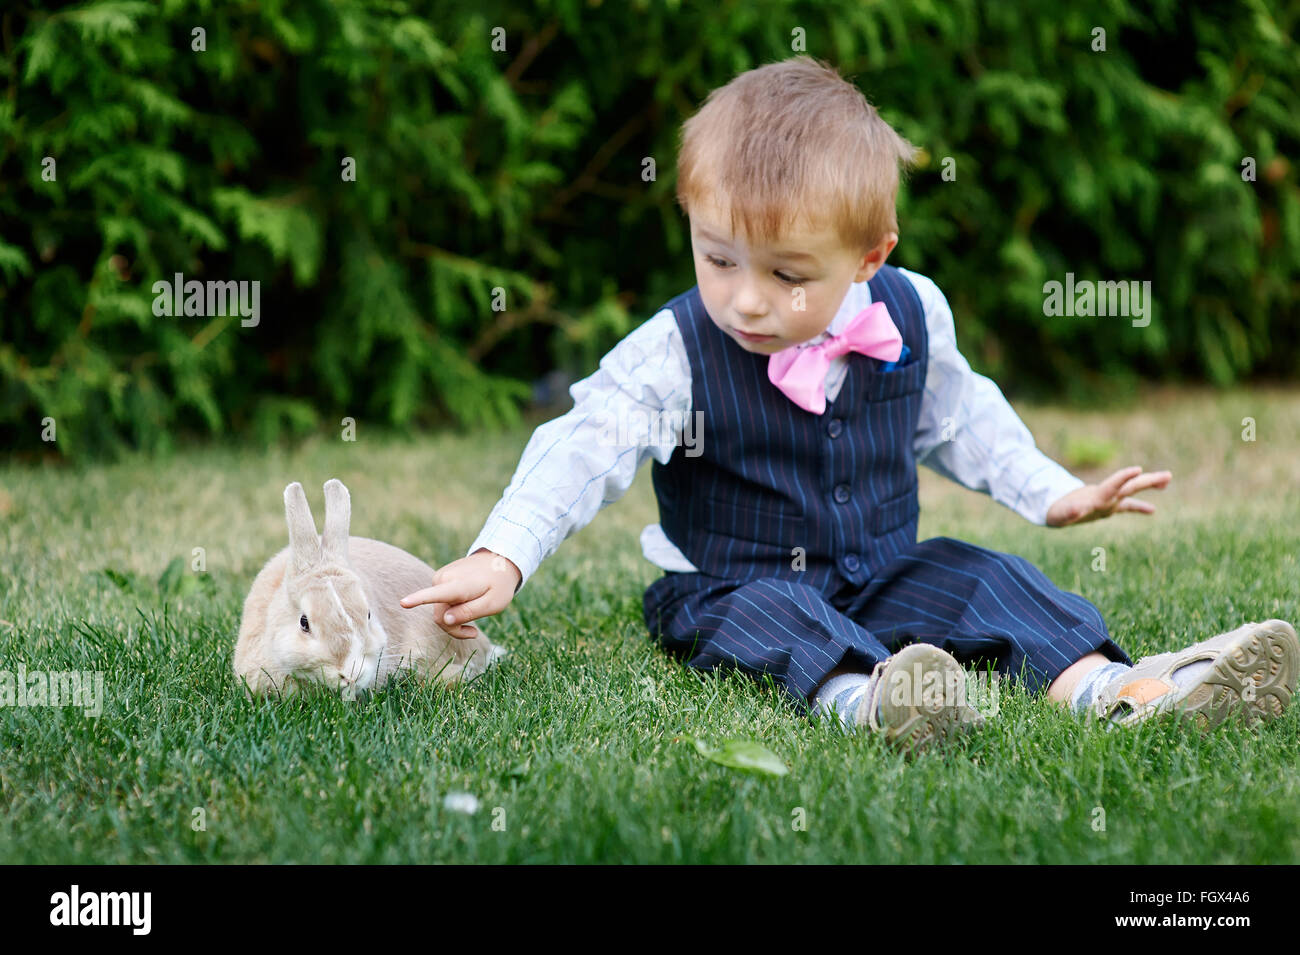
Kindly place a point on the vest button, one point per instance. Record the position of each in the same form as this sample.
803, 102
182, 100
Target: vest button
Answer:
835, 427
841, 492
851, 561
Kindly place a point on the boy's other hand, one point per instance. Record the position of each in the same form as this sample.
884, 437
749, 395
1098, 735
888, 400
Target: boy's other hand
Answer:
475, 586
1094, 501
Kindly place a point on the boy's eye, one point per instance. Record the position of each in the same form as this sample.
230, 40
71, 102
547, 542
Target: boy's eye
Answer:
789, 279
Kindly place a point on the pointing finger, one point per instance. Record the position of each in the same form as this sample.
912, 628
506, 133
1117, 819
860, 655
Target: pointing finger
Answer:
451, 591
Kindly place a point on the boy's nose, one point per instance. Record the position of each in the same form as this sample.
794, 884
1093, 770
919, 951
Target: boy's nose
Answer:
748, 303
748, 298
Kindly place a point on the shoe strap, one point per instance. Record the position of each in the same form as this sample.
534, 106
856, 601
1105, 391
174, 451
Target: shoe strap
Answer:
1141, 692
1137, 693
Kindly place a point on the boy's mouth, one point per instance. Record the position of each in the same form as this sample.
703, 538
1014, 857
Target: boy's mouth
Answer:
757, 339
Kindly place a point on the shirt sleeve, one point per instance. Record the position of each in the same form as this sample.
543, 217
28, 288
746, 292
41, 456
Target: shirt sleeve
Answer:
969, 433
632, 407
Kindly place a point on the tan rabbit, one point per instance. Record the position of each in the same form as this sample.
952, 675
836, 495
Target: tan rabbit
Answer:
325, 610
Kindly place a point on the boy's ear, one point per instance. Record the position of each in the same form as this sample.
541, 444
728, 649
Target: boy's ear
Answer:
873, 260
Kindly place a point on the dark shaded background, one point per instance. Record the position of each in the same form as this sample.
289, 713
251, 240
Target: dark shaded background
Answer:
521, 170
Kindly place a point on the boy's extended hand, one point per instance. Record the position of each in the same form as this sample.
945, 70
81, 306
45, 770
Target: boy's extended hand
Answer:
1093, 501
475, 586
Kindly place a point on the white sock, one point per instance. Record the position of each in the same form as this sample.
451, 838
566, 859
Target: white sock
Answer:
1092, 682
843, 695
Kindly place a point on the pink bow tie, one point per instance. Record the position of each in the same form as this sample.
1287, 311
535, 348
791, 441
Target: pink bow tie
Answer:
801, 372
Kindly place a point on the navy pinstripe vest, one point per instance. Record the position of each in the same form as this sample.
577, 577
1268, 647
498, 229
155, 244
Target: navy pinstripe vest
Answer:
771, 477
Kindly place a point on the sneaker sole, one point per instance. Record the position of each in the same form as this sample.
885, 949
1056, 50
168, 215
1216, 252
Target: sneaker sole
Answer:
922, 718
1253, 680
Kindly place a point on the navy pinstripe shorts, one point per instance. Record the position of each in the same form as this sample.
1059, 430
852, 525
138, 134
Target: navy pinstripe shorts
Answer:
977, 604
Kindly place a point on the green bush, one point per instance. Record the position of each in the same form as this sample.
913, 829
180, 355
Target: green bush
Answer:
499, 223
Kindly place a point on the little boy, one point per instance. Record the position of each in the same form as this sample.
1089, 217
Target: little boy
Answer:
786, 401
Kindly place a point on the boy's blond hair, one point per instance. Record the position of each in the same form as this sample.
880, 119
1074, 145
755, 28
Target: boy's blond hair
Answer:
788, 140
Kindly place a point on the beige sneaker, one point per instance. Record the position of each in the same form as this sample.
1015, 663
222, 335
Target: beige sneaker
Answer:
1252, 676
920, 693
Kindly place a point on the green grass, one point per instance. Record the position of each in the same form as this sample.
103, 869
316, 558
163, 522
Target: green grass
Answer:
582, 738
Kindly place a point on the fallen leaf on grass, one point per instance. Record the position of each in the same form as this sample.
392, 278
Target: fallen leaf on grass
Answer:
742, 754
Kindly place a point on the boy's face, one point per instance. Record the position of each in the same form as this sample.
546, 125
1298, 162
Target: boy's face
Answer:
754, 287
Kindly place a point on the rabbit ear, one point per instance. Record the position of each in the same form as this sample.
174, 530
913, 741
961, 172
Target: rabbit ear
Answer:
338, 518
304, 545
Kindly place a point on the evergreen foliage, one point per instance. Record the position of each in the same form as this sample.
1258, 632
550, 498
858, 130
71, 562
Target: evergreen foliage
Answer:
489, 178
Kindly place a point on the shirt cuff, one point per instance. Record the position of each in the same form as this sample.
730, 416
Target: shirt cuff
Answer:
1035, 484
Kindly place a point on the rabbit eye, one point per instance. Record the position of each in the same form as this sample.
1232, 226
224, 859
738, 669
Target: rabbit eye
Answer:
302, 622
